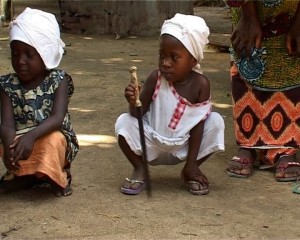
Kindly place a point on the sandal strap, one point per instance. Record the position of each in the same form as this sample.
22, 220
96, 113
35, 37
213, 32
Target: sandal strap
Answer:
132, 181
285, 165
242, 160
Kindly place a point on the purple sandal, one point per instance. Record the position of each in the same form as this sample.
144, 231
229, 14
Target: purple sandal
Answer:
130, 191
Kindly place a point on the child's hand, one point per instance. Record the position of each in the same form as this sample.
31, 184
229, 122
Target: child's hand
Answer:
9, 161
22, 147
131, 92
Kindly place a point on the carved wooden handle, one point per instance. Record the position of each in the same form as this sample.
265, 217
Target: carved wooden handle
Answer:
134, 80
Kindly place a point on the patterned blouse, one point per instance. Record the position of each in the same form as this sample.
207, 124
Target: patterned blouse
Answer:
32, 107
269, 67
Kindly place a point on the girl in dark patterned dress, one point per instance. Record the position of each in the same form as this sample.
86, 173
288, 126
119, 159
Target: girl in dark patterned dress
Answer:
38, 141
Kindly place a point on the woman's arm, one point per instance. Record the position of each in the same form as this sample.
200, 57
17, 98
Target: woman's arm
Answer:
293, 36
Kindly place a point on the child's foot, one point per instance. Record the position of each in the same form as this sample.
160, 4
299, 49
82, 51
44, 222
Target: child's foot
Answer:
60, 191
12, 183
198, 186
135, 184
241, 165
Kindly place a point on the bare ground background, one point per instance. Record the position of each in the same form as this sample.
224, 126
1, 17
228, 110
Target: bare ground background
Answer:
254, 208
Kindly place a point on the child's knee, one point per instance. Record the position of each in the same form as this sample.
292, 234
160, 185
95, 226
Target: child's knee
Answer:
124, 121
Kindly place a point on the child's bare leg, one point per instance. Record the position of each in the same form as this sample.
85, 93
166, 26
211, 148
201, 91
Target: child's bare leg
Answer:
137, 163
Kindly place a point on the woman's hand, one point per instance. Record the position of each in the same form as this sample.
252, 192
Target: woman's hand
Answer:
293, 35
248, 32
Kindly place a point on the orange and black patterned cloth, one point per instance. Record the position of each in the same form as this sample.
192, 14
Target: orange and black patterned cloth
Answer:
265, 88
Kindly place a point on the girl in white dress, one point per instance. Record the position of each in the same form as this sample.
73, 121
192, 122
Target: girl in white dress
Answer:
178, 123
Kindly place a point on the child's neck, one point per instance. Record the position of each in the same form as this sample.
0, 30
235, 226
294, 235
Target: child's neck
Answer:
34, 83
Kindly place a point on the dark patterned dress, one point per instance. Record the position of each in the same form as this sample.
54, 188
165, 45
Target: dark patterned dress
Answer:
266, 87
32, 107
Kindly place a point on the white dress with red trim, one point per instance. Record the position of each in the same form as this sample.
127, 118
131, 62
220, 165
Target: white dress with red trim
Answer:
171, 117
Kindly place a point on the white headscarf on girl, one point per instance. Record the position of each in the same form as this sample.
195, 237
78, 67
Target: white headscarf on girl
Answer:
40, 30
191, 31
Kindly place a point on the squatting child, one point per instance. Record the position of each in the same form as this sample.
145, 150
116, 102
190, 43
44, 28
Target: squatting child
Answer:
38, 141
178, 120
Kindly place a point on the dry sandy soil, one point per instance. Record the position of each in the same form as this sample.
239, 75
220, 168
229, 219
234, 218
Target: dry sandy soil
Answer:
254, 208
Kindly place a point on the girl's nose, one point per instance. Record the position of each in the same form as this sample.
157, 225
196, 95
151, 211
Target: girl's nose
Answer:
22, 59
165, 62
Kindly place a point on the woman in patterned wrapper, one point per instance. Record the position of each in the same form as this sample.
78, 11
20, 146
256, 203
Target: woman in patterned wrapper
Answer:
265, 79
178, 122
38, 141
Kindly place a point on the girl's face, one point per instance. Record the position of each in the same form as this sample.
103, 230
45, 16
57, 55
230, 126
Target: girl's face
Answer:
27, 62
175, 61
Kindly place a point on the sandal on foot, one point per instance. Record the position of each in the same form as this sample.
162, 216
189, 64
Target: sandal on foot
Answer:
202, 189
281, 171
131, 191
244, 163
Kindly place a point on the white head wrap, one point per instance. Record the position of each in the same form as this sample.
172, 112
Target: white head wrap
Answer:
191, 31
40, 30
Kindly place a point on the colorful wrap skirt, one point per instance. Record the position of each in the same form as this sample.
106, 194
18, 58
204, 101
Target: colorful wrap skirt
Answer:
265, 119
266, 86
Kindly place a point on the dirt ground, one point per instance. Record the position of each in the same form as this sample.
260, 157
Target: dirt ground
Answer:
254, 208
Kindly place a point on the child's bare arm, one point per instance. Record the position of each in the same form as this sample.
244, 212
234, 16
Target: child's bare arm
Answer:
197, 132
191, 170
7, 129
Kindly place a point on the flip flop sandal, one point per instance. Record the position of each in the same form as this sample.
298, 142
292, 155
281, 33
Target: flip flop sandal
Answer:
244, 163
281, 168
296, 186
130, 191
189, 185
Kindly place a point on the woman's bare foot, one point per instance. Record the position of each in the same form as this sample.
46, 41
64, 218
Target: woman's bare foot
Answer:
288, 169
241, 165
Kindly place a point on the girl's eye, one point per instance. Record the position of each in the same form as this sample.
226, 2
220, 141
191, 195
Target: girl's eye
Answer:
174, 58
30, 54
